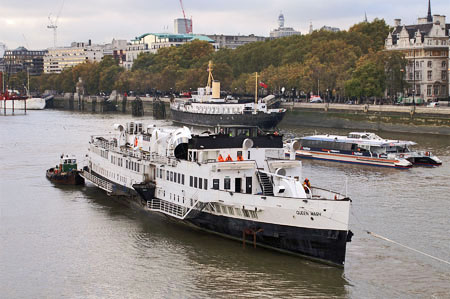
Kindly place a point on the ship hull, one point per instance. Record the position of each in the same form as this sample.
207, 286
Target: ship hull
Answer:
327, 246
70, 178
361, 160
262, 120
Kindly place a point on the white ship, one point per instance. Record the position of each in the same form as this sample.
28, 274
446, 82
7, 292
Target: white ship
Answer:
234, 182
21, 104
363, 148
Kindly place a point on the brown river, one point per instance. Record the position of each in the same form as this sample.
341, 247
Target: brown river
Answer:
77, 242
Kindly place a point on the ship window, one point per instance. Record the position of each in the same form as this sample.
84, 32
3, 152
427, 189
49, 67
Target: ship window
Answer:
238, 212
227, 183
168, 175
137, 167
160, 173
230, 211
126, 163
175, 177
245, 212
248, 155
179, 177
216, 184
200, 182
171, 176
206, 184
191, 180
195, 182
182, 179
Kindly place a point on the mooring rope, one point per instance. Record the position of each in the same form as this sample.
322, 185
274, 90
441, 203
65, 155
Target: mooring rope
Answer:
405, 246
397, 243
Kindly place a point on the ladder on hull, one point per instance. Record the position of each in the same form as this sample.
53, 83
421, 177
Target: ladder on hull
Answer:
176, 210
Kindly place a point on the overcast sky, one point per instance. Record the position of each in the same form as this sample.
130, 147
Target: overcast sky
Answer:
24, 22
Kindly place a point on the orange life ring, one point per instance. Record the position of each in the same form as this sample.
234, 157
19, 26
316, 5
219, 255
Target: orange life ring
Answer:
135, 141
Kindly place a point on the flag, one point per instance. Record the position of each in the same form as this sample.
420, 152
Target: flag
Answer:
262, 84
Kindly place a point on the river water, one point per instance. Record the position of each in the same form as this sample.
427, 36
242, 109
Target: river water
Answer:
78, 242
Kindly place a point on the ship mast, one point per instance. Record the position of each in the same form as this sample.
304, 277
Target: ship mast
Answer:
210, 76
256, 88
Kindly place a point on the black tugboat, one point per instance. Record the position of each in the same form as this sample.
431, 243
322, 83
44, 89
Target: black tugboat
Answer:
207, 108
66, 173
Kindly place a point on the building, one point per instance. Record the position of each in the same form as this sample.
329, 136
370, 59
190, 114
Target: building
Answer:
426, 47
152, 42
23, 60
182, 26
329, 28
234, 41
58, 59
282, 31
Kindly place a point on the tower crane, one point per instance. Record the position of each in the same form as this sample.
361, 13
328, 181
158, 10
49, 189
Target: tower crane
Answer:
54, 24
188, 27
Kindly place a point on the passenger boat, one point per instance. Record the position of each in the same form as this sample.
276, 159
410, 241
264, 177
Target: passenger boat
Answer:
234, 182
66, 173
207, 108
363, 148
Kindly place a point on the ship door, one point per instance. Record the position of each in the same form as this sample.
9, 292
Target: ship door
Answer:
237, 185
248, 185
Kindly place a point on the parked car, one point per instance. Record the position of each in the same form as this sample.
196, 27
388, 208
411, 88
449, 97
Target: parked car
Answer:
315, 99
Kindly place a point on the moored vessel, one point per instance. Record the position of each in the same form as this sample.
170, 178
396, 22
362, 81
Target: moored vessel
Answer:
234, 182
66, 173
208, 108
363, 148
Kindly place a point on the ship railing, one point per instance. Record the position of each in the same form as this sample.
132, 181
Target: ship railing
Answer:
176, 210
102, 184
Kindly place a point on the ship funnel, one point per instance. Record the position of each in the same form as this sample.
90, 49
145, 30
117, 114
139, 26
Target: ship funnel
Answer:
247, 143
216, 90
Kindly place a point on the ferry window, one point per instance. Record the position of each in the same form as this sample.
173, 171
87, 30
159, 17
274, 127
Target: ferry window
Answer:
191, 180
168, 175
175, 177
179, 176
248, 157
182, 179
205, 185
195, 182
171, 176
138, 168
160, 173
227, 183
216, 184
126, 163
239, 153
200, 183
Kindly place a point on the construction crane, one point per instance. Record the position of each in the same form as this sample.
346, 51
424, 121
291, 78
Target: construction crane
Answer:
54, 24
188, 27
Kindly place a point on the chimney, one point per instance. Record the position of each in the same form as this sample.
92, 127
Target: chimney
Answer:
397, 22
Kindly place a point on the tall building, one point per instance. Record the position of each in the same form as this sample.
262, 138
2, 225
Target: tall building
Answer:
426, 47
234, 41
23, 60
182, 26
282, 31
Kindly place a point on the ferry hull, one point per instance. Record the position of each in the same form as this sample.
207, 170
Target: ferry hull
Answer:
327, 246
262, 120
361, 160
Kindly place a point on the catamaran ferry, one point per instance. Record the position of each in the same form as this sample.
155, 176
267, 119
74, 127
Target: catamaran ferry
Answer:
363, 148
234, 182
207, 108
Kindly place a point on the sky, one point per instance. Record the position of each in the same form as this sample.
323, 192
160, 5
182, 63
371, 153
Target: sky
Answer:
24, 22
